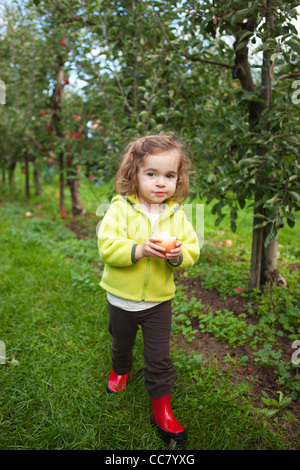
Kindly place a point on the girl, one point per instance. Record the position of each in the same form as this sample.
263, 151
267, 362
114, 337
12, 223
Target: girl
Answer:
138, 274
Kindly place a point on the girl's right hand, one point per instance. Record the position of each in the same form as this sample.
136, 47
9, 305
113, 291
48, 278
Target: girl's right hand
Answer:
149, 248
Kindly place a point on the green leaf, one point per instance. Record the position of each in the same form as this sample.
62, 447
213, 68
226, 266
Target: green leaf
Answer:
211, 178
240, 15
219, 220
272, 201
271, 235
242, 203
290, 219
240, 46
294, 43
294, 195
261, 224
233, 226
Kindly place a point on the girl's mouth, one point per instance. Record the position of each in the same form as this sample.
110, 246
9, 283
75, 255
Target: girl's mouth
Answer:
160, 193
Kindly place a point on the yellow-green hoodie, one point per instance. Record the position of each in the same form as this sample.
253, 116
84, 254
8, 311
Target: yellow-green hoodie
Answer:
123, 227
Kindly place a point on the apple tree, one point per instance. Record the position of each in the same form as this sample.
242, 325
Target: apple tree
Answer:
24, 75
252, 144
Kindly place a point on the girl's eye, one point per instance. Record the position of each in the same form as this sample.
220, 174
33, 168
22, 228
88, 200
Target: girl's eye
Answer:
170, 176
151, 173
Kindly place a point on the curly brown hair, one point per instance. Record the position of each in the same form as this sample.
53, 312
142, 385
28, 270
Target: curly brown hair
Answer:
126, 177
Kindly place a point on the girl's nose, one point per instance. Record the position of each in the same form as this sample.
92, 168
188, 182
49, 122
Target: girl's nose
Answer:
160, 181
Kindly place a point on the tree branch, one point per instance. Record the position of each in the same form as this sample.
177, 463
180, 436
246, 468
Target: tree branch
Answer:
73, 18
127, 104
289, 75
186, 54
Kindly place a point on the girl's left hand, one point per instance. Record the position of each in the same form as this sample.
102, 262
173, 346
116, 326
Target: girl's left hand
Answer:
174, 255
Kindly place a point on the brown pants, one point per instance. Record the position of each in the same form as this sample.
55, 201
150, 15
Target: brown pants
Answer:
156, 328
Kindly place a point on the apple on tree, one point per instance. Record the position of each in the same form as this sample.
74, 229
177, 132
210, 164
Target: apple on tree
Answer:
76, 135
167, 242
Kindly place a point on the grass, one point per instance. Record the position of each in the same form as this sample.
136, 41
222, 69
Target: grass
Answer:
55, 327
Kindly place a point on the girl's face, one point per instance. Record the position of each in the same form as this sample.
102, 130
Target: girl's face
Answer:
157, 178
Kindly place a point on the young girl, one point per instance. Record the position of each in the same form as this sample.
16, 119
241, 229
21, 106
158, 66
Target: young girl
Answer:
138, 274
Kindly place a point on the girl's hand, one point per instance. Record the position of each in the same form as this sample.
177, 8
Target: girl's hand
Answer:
174, 255
149, 248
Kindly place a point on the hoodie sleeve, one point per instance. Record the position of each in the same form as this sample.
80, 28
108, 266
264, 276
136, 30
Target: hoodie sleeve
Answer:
114, 247
190, 250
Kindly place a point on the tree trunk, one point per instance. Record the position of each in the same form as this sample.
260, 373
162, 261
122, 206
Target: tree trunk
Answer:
61, 185
263, 259
27, 186
37, 177
73, 182
264, 264
242, 71
269, 260
256, 251
270, 252
56, 106
11, 169
3, 176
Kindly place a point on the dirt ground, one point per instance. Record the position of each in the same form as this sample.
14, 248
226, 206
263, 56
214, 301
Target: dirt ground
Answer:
259, 378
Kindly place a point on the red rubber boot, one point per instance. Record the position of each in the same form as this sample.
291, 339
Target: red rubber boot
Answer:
116, 383
163, 417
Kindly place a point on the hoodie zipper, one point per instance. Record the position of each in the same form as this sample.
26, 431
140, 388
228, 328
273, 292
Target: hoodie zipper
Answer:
147, 267
149, 258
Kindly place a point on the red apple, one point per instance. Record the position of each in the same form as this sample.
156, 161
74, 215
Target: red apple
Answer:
66, 81
76, 135
62, 42
168, 242
240, 289
43, 112
228, 242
